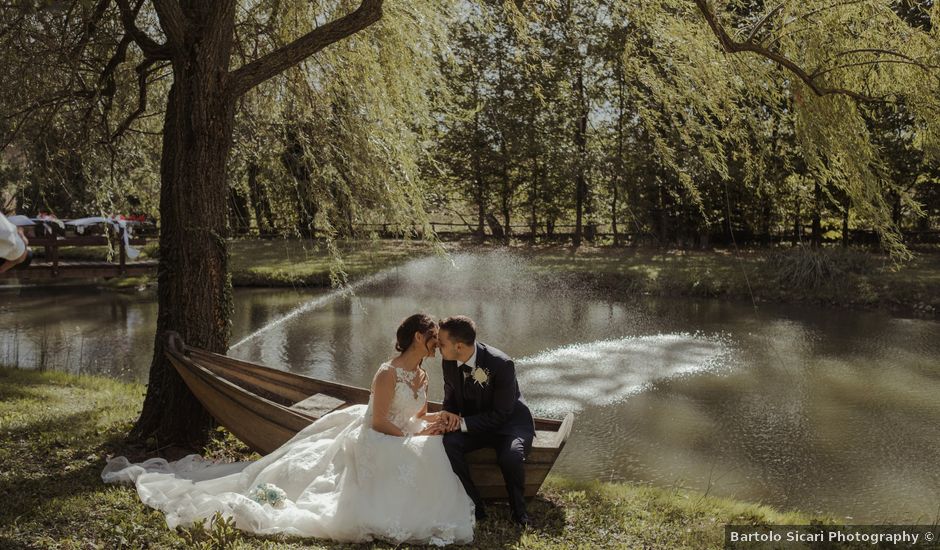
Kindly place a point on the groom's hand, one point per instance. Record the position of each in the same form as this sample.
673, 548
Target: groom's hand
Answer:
451, 421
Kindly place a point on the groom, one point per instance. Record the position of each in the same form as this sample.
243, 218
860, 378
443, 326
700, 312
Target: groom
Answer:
483, 408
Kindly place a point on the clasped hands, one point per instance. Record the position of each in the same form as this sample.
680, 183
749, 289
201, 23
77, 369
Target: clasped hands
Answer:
443, 422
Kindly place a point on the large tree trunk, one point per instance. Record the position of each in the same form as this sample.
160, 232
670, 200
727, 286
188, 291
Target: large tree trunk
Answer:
194, 293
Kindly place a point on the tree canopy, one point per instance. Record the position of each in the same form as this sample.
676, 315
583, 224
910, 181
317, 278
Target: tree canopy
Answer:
673, 121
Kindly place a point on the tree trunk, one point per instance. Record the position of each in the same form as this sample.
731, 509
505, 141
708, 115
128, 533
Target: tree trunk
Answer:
846, 204
506, 195
663, 215
259, 200
194, 293
480, 183
294, 159
307, 211
580, 139
534, 184
618, 178
896, 211
817, 215
495, 228
239, 218
533, 198
797, 228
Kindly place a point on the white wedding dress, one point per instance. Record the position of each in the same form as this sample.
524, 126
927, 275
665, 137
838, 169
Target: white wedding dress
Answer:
342, 481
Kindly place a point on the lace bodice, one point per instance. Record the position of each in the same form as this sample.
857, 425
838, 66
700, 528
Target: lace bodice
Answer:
407, 401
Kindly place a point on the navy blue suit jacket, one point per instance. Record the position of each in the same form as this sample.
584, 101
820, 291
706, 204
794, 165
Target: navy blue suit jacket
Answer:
499, 403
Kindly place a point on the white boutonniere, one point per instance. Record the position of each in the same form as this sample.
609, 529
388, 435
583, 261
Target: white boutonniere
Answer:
480, 376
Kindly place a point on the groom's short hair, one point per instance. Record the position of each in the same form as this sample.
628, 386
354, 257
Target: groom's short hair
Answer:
461, 328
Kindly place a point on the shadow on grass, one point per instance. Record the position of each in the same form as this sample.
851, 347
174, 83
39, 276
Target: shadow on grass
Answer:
9, 544
21, 497
52, 458
20, 384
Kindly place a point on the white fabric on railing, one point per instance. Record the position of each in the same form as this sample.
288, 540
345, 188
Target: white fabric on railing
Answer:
81, 223
21, 220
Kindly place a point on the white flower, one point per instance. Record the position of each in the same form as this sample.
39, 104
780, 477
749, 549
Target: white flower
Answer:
480, 376
268, 493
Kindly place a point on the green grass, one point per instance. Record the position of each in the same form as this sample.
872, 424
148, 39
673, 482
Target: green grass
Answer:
862, 279
57, 430
308, 263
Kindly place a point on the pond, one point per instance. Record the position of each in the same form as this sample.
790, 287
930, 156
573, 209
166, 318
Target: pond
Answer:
825, 411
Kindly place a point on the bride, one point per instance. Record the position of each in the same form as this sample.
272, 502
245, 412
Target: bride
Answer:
356, 474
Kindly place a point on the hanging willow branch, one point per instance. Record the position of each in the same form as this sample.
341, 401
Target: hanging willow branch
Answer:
810, 78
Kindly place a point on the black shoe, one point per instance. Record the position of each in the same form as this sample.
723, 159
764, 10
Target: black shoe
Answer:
522, 520
480, 513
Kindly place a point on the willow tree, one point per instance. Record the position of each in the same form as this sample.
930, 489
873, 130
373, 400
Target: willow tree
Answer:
66, 72
194, 292
704, 66
728, 111
320, 139
367, 91
211, 71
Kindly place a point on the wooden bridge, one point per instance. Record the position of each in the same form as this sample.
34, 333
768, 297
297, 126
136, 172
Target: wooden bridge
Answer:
50, 238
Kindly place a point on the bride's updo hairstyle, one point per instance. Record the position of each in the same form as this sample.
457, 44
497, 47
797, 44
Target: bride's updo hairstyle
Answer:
405, 335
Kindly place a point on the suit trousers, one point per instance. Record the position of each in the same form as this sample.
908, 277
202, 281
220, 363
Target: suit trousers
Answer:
511, 451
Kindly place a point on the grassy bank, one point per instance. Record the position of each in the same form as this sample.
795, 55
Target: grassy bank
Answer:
279, 262
831, 277
57, 430
834, 277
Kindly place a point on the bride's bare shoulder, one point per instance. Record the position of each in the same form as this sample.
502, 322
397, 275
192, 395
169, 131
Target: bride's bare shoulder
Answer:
385, 370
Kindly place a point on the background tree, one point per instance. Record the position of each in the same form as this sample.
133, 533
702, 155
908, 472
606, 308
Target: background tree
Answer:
201, 64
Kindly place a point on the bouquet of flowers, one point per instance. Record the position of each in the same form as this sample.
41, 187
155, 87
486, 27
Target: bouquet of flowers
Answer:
268, 493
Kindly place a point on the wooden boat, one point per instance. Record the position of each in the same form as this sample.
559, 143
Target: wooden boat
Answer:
265, 407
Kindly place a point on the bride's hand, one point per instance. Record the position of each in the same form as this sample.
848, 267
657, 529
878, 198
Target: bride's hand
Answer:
432, 429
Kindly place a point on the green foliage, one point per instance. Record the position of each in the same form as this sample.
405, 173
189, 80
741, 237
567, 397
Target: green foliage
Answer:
803, 267
339, 138
473, 112
687, 142
219, 534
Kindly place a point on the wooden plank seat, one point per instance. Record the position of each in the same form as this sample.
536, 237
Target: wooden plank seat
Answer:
318, 404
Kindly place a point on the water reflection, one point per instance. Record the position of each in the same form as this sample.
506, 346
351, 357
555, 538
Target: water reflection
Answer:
820, 410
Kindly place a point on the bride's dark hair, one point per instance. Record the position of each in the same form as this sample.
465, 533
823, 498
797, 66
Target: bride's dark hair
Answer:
405, 335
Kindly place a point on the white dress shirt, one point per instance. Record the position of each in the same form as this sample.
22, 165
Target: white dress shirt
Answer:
472, 363
11, 245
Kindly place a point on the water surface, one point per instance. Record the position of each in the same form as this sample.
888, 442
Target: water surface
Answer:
825, 411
